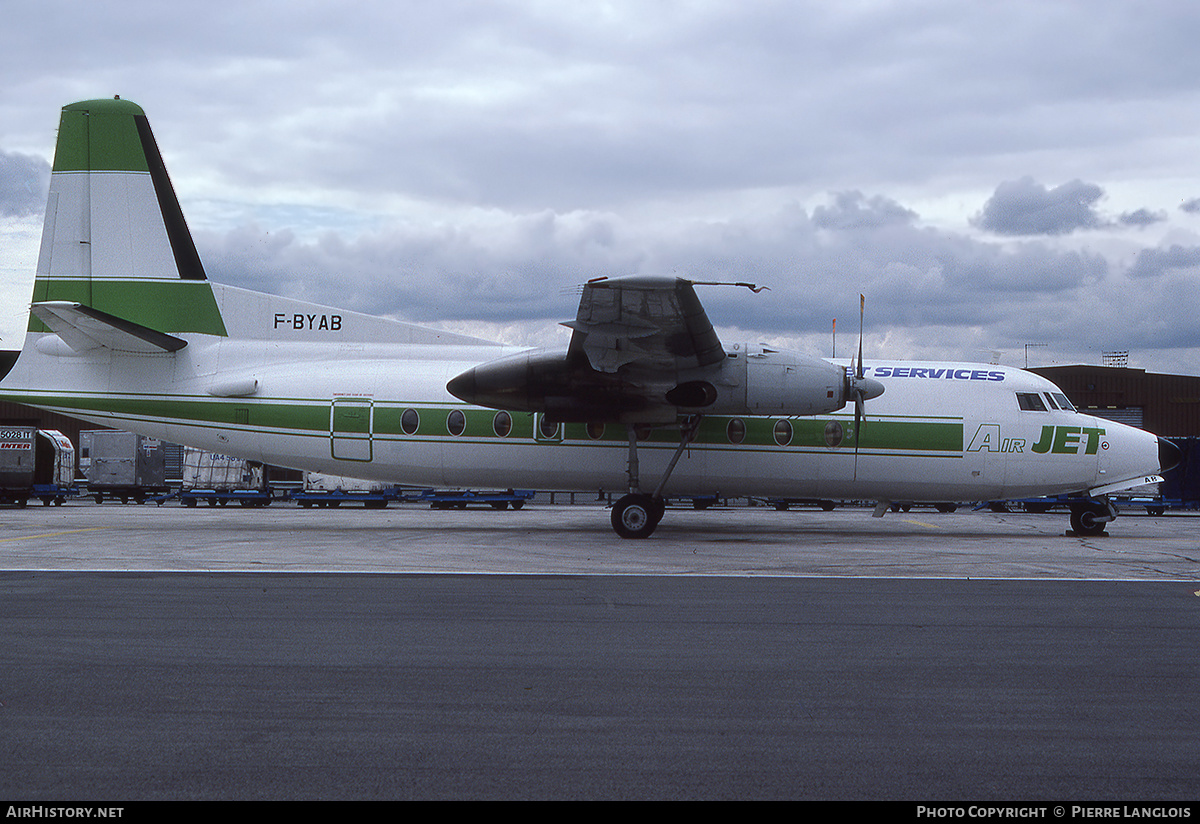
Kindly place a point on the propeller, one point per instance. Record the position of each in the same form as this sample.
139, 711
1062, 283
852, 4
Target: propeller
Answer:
858, 385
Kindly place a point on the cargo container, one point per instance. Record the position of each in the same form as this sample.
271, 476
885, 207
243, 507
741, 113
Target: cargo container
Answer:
35, 463
219, 479
122, 465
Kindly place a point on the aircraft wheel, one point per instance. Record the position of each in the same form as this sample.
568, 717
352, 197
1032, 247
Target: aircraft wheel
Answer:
636, 516
1087, 520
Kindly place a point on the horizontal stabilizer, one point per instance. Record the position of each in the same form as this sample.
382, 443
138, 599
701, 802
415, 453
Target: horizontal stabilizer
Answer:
83, 328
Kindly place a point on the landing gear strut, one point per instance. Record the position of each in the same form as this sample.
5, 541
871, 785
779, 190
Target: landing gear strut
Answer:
637, 514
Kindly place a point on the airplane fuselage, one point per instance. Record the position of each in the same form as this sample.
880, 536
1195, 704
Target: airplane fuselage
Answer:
310, 392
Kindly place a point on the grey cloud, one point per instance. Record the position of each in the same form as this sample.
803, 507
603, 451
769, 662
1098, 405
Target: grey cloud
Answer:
852, 210
1192, 205
24, 181
1026, 207
520, 269
1152, 263
1142, 218
524, 269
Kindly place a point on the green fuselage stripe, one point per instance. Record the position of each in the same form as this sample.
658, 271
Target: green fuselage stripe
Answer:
383, 420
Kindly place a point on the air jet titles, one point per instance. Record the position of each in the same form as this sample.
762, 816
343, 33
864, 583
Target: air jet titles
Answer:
1056, 440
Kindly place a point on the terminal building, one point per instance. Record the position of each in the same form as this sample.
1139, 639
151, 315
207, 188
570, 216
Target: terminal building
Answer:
1167, 405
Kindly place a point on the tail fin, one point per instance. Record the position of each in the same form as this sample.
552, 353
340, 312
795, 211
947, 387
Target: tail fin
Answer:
115, 240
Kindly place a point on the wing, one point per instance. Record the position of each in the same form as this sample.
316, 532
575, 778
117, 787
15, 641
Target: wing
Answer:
633, 339
643, 352
644, 325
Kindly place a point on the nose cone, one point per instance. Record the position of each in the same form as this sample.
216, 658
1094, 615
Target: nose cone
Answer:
1169, 455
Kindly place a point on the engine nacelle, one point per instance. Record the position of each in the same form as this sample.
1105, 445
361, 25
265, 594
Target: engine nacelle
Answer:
748, 381
764, 381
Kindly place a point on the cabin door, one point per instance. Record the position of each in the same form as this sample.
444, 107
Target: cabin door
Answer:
350, 429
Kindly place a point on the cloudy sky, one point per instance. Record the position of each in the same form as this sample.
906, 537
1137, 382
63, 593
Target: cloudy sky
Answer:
1020, 178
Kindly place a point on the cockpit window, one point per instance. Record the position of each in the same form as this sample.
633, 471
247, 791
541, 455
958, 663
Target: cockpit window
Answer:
1031, 402
1063, 403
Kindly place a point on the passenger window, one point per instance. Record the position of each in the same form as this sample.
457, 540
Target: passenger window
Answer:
410, 421
783, 432
502, 424
1031, 402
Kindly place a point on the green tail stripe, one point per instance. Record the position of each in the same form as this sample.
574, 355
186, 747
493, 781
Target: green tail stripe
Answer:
166, 306
100, 136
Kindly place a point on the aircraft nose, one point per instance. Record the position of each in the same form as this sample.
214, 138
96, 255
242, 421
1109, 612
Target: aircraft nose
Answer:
1169, 455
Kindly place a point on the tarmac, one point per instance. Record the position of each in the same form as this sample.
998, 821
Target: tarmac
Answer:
168, 653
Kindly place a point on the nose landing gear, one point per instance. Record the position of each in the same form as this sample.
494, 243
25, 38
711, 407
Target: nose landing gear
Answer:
1090, 517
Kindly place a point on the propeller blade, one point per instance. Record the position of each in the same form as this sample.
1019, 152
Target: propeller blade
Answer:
862, 309
860, 385
859, 418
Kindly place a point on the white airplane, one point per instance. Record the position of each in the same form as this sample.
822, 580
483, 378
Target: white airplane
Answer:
125, 330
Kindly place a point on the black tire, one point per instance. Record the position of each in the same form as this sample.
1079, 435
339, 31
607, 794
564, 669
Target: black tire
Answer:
1086, 520
636, 516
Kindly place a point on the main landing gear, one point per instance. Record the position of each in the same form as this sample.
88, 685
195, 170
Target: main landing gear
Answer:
637, 514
